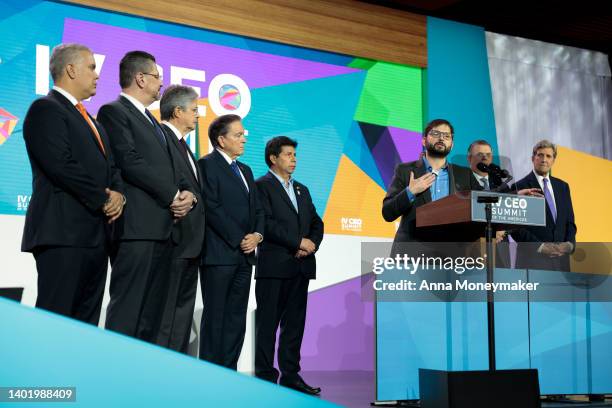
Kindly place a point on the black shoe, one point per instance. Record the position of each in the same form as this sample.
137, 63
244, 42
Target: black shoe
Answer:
301, 386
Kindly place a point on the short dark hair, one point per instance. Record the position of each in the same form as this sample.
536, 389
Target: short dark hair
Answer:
478, 142
132, 63
176, 96
220, 127
437, 122
274, 147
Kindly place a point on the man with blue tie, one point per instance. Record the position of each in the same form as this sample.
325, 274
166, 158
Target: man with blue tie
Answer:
157, 195
234, 229
550, 245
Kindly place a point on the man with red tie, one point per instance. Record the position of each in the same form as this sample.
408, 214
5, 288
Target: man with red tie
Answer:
77, 192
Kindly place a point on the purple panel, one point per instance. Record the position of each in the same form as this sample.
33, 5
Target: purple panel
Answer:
339, 331
407, 143
386, 157
257, 69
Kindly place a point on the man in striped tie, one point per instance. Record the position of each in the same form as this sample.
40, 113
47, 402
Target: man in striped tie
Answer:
550, 245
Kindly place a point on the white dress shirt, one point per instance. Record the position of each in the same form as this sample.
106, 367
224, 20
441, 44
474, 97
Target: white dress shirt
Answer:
179, 136
141, 108
550, 187
480, 179
229, 161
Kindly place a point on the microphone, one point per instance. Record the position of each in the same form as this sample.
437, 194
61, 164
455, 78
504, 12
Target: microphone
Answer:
493, 169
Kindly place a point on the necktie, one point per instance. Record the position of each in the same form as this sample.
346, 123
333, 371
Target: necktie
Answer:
185, 150
549, 200
236, 170
485, 183
83, 113
158, 130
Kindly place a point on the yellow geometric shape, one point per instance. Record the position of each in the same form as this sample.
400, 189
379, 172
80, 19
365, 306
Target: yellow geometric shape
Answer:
590, 181
355, 204
204, 122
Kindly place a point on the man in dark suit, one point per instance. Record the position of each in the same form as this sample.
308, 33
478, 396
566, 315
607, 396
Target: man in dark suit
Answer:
234, 228
285, 265
157, 195
480, 151
77, 190
179, 112
549, 246
427, 179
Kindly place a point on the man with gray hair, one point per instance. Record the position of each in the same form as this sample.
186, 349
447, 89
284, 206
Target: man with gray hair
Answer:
179, 113
550, 245
77, 191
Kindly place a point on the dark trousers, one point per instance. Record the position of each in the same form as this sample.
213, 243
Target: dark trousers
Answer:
138, 288
177, 317
279, 302
225, 289
71, 281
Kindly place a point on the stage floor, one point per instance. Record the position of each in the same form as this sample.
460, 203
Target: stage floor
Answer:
356, 389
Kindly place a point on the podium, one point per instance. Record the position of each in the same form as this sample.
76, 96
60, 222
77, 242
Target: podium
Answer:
477, 212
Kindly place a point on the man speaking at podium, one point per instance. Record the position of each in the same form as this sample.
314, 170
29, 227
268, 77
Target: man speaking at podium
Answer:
427, 179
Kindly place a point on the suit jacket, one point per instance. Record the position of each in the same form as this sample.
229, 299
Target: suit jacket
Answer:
285, 229
396, 203
149, 170
496, 185
231, 211
188, 233
563, 230
70, 173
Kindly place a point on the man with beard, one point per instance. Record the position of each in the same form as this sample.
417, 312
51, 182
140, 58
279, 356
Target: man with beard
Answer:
157, 194
419, 182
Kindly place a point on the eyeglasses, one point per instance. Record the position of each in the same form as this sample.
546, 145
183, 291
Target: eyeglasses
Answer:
156, 76
436, 134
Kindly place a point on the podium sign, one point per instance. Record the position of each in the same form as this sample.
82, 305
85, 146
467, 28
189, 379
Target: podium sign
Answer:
510, 209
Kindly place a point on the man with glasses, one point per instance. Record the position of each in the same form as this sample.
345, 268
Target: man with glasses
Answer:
480, 151
179, 112
157, 195
427, 179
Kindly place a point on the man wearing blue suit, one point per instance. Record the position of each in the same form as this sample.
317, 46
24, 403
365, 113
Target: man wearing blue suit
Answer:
550, 245
234, 228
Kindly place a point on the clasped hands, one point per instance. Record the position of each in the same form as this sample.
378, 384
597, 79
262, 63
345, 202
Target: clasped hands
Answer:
113, 206
182, 204
250, 242
556, 249
307, 247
